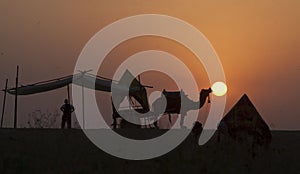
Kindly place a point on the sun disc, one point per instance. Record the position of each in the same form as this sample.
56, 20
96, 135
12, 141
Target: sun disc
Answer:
219, 88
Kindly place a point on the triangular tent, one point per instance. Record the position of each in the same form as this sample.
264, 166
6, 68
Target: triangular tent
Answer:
243, 122
136, 90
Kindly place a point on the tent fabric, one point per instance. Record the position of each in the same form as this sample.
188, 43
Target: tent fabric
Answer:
139, 93
136, 90
81, 79
42, 86
243, 121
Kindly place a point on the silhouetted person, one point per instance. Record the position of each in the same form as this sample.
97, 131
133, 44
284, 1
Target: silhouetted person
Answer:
67, 110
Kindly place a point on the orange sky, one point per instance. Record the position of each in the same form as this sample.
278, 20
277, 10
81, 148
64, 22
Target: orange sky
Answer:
257, 42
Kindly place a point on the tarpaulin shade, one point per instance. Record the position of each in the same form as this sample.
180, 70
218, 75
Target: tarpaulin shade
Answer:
87, 80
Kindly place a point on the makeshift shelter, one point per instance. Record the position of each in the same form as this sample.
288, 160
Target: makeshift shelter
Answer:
87, 80
136, 90
244, 123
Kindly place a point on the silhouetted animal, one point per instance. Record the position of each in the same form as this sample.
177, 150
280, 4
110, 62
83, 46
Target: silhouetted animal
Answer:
178, 103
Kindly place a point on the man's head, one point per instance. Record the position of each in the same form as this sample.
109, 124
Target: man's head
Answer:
66, 101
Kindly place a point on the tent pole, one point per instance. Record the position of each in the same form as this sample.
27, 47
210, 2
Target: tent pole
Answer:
16, 98
68, 91
4, 100
82, 93
68, 88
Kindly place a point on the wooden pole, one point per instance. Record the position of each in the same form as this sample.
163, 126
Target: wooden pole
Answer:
16, 99
4, 101
82, 93
68, 88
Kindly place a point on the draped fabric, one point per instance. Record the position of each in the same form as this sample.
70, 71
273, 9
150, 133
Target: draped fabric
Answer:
136, 90
81, 79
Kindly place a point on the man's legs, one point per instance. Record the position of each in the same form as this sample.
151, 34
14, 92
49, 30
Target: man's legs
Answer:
69, 121
63, 122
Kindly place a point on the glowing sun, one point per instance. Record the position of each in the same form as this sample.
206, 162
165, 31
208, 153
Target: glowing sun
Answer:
219, 88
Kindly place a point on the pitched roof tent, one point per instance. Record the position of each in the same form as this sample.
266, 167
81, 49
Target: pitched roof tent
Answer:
244, 118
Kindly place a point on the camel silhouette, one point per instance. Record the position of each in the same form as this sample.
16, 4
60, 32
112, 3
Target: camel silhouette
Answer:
177, 102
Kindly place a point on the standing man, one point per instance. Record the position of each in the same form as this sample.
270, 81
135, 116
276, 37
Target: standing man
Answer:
67, 110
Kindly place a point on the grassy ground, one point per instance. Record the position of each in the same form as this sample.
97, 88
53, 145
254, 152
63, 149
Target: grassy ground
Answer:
69, 151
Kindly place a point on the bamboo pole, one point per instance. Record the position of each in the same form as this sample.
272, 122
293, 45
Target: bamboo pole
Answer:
68, 91
4, 101
82, 93
68, 88
16, 99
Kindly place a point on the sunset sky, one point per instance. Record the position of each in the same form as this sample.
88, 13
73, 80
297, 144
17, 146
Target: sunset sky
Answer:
257, 42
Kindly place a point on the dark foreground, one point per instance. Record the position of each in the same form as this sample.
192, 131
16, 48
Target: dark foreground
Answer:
69, 151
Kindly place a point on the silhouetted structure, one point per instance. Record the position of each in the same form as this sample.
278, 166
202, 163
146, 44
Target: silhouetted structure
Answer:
245, 124
137, 91
87, 80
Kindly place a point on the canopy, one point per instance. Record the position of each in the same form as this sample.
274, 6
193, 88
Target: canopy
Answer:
87, 80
